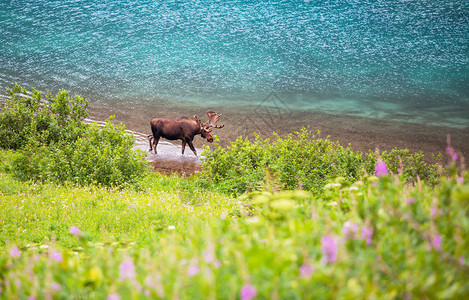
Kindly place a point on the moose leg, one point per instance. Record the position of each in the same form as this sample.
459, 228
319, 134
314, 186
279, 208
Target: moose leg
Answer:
150, 140
192, 148
155, 143
183, 146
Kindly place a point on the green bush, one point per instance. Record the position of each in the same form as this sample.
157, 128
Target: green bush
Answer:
54, 143
302, 160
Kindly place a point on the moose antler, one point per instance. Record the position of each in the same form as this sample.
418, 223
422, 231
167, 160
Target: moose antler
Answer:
198, 121
213, 117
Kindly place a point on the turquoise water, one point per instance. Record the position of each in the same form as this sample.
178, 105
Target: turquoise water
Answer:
397, 59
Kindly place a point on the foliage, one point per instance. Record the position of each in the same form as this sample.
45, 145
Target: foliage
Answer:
373, 238
302, 160
55, 144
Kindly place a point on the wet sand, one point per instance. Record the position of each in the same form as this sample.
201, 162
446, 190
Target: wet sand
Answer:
359, 133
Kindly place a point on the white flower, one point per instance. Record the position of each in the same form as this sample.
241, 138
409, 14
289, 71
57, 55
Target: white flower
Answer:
44, 247
171, 227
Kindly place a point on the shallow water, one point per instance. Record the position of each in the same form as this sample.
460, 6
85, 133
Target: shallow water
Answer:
393, 60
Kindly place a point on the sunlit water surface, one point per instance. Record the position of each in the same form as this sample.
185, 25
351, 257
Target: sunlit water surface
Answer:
403, 60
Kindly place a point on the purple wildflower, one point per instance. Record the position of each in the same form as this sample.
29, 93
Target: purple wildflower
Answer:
56, 256
451, 152
31, 298
460, 179
193, 270
127, 269
114, 297
217, 264
461, 260
76, 231
55, 286
208, 256
329, 249
15, 252
381, 168
436, 242
410, 201
306, 271
367, 234
248, 292
350, 230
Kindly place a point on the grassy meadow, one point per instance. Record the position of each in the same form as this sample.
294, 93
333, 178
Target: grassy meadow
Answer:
296, 217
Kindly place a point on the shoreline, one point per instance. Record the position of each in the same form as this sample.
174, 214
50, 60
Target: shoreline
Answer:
360, 133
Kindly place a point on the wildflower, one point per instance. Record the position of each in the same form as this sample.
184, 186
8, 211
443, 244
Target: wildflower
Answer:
31, 298
350, 229
410, 200
44, 247
171, 227
15, 252
451, 153
217, 264
56, 256
248, 292
306, 271
127, 269
381, 168
76, 231
329, 249
114, 297
208, 256
460, 179
55, 286
193, 270
436, 242
461, 260
367, 234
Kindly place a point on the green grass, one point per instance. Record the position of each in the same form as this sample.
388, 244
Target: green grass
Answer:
170, 238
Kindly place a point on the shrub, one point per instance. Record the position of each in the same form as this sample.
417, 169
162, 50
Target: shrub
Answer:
54, 143
302, 160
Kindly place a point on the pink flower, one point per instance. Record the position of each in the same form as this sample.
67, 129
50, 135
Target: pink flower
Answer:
461, 260
436, 242
127, 269
208, 256
306, 271
114, 297
350, 230
410, 200
57, 256
15, 252
367, 234
460, 179
31, 298
193, 270
329, 249
451, 152
217, 264
76, 231
248, 292
55, 286
381, 168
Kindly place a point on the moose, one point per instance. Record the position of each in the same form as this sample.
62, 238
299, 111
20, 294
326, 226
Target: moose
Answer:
184, 129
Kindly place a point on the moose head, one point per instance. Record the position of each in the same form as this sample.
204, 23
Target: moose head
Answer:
206, 128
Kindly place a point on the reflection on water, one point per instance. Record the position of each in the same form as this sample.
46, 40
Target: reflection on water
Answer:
401, 60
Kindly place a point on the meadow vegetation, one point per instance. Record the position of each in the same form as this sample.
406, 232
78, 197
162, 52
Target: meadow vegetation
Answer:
296, 217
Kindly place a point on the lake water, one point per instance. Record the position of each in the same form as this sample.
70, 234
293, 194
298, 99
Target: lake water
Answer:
394, 60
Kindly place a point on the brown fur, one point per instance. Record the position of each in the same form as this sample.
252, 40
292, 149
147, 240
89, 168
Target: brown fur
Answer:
182, 128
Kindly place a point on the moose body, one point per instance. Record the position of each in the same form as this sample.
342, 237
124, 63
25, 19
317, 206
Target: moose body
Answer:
182, 128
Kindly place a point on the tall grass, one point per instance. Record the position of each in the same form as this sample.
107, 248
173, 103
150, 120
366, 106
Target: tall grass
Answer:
376, 238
